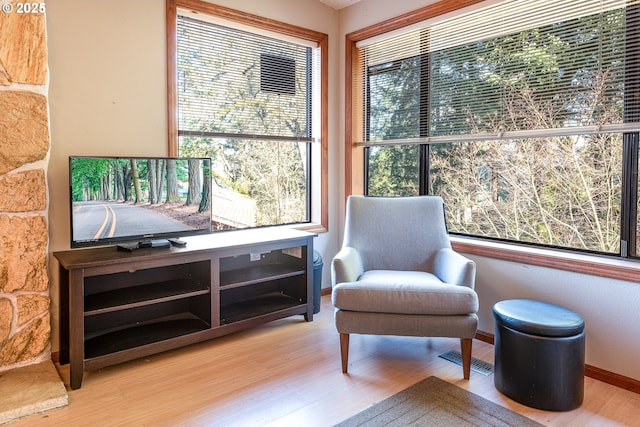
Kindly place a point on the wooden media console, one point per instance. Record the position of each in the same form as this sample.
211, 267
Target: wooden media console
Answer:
117, 306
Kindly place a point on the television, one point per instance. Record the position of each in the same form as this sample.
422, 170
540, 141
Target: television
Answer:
138, 202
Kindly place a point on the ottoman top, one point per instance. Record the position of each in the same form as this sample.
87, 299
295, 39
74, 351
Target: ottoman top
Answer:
538, 318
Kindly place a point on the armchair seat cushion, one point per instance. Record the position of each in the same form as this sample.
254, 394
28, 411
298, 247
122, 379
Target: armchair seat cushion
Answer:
404, 292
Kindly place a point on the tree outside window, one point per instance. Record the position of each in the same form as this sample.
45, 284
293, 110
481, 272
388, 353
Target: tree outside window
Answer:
547, 184
251, 101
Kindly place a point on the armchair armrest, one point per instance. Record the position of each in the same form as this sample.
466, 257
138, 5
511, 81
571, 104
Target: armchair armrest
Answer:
346, 266
451, 267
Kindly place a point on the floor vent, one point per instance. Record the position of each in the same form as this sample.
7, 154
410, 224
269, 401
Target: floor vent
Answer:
477, 365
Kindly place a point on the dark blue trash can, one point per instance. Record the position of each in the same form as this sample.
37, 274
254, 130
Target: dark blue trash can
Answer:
317, 280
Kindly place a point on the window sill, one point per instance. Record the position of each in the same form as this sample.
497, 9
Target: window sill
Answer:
621, 269
311, 228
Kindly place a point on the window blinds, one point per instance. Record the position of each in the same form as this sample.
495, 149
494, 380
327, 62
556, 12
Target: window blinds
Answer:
513, 69
236, 84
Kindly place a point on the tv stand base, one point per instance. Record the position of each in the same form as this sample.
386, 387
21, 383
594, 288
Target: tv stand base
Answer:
117, 305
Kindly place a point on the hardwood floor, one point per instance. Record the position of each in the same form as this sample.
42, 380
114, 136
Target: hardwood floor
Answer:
288, 373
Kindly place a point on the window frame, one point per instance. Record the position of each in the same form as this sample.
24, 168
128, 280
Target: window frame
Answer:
611, 266
318, 212
424, 174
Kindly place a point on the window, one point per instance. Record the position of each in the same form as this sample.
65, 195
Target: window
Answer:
522, 115
247, 92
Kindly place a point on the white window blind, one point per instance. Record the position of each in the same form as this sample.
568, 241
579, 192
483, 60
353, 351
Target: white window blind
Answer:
237, 84
512, 69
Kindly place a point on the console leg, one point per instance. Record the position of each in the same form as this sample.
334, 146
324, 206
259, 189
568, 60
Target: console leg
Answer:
75, 376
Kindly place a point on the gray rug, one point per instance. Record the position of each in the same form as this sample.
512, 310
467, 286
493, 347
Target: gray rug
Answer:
434, 402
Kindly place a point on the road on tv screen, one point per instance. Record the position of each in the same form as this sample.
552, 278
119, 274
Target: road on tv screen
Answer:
101, 220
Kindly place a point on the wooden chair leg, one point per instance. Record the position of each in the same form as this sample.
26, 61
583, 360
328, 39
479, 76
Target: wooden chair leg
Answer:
465, 344
344, 351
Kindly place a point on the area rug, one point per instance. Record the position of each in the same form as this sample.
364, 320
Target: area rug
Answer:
434, 402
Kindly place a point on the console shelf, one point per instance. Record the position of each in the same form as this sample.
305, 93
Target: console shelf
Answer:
117, 306
141, 334
255, 307
138, 296
236, 278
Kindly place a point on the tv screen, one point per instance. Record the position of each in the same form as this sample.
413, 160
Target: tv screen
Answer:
138, 199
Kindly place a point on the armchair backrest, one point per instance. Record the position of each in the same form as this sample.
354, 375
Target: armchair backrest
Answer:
396, 233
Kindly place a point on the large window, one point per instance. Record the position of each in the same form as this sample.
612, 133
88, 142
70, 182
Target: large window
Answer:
247, 93
523, 115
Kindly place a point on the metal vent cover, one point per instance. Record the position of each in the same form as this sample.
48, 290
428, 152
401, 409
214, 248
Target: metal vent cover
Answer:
477, 365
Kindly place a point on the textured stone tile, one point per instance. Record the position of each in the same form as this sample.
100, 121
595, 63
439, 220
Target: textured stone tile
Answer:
28, 343
25, 328
6, 315
24, 129
23, 191
23, 51
23, 254
30, 390
31, 306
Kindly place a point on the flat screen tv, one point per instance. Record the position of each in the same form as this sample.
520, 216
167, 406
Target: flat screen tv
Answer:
138, 202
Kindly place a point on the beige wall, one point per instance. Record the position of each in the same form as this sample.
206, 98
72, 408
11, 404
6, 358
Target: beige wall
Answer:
108, 92
108, 96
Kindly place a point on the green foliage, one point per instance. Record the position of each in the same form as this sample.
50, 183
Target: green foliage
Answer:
92, 178
220, 91
561, 191
394, 171
95, 179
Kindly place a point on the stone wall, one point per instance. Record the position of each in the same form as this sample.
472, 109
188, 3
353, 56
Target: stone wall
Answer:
25, 329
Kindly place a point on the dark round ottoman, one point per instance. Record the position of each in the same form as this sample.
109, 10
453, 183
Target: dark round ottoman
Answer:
539, 354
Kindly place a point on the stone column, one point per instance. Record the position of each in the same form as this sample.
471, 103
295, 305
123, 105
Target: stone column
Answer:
25, 330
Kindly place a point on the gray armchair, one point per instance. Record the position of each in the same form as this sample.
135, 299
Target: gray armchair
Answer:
396, 274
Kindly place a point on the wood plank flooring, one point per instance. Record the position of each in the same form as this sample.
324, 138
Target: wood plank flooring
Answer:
288, 373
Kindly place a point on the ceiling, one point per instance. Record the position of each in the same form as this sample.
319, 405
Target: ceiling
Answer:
339, 4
